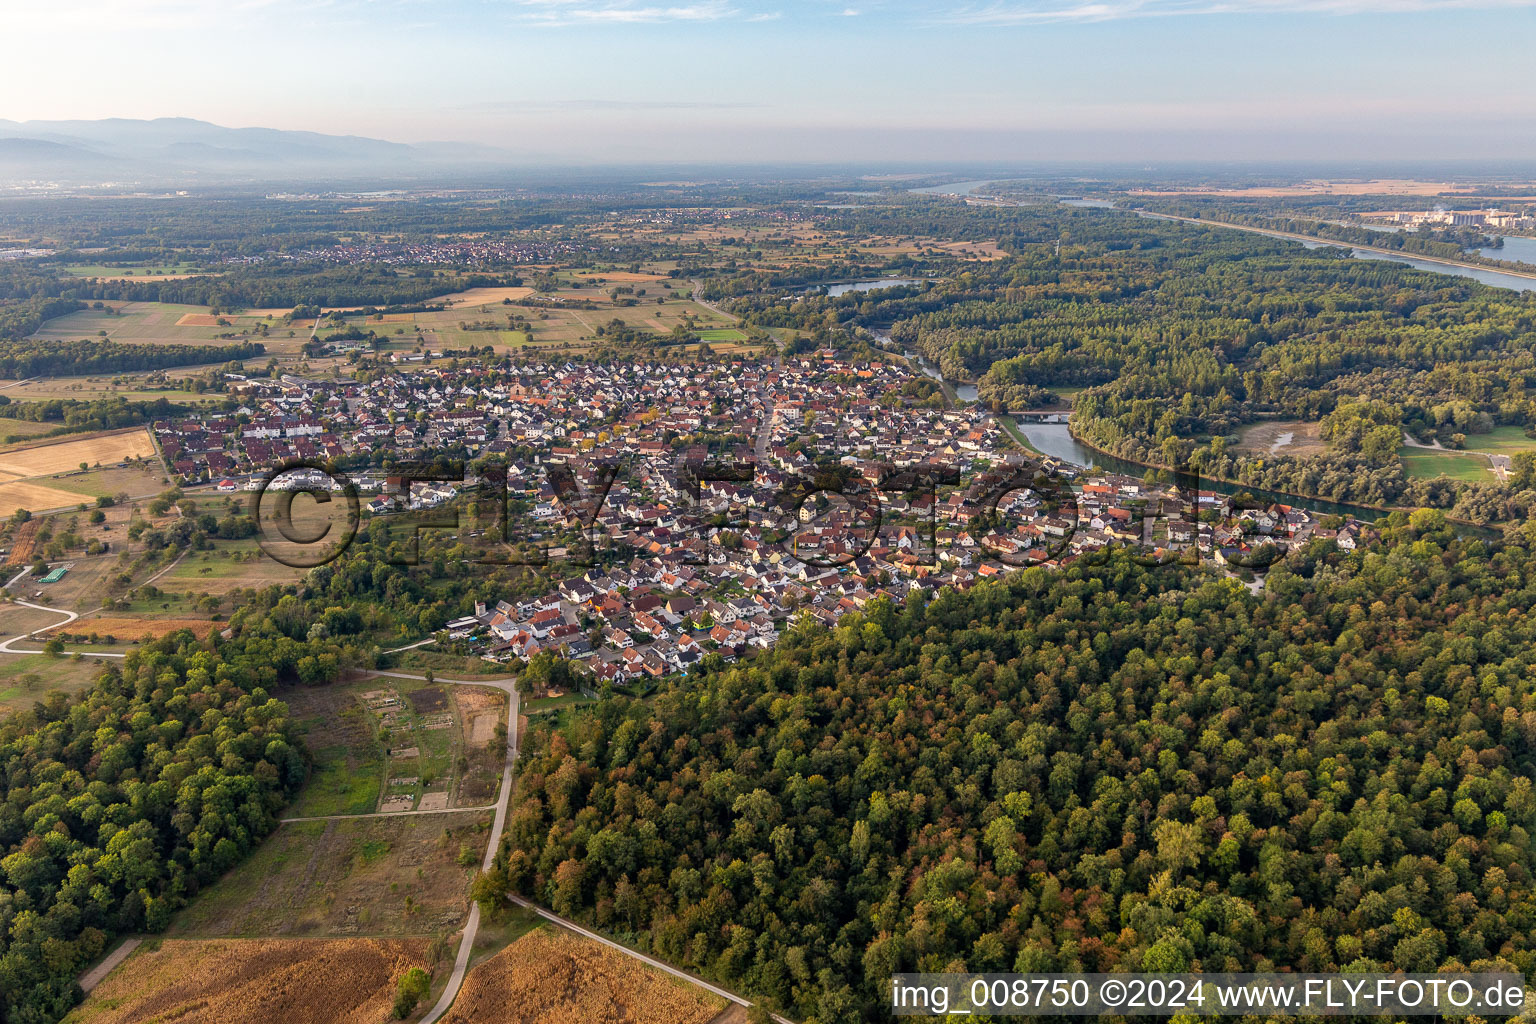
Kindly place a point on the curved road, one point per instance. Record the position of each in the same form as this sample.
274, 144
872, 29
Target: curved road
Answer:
69, 616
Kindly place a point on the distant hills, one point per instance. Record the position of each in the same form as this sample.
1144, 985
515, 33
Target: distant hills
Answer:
180, 149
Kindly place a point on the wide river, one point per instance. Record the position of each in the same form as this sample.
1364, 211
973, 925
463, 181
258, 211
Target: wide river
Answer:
1516, 249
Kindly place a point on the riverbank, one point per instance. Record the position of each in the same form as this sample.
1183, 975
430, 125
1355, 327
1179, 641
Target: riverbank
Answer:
1254, 489
1491, 267
1493, 530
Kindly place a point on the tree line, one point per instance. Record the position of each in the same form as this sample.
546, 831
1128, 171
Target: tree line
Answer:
1111, 767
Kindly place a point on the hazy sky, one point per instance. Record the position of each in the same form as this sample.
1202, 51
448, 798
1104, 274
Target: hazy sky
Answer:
808, 79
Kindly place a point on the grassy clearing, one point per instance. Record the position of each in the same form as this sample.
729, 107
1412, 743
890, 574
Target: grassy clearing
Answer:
1501, 441
539, 705
1429, 463
358, 876
26, 679
1282, 437
348, 758
229, 566
450, 666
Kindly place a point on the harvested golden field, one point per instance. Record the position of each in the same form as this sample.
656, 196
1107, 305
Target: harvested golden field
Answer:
557, 976
476, 296
15, 494
43, 459
255, 981
132, 629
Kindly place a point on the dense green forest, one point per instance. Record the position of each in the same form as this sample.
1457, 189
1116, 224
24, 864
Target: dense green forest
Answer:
75, 416
118, 806
1109, 767
40, 357
38, 292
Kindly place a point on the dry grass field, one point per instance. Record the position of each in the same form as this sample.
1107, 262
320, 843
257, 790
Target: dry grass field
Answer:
133, 629
45, 476
255, 981
15, 494
58, 456
560, 978
358, 876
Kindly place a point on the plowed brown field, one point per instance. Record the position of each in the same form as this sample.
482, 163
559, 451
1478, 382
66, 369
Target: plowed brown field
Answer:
255, 981
549, 976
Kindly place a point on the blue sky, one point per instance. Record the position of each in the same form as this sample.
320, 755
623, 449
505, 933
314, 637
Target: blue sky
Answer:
801, 80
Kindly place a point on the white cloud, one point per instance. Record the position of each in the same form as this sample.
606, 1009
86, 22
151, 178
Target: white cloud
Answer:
617, 12
1027, 12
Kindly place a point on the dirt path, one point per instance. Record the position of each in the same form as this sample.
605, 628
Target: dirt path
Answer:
93, 977
389, 814
498, 823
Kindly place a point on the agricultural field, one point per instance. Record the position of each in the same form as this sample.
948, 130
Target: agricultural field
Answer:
134, 387
473, 318
163, 323
342, 737
554, 975
478, 713
478, 317
45, 476
394, 876
223, 981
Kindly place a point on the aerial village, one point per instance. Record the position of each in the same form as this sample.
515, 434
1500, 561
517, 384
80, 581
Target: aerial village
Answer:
719, 501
